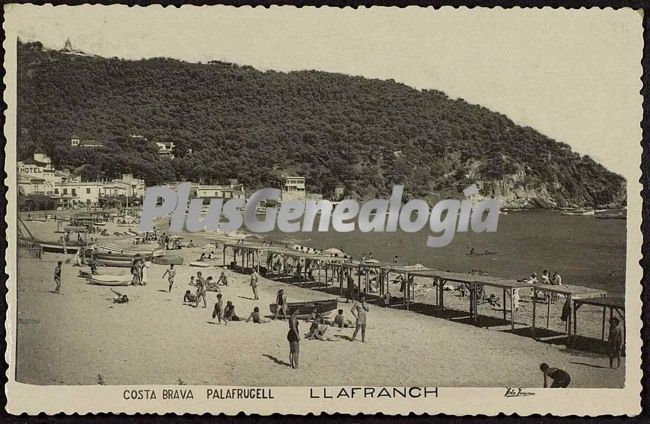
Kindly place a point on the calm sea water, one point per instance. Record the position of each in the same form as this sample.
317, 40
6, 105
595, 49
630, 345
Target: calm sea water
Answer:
584, 250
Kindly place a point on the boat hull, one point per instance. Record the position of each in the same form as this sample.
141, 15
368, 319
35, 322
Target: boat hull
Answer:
58, 248
109, 280
324, 307
115, 263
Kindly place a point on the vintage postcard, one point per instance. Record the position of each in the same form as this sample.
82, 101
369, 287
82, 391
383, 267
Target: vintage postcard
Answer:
302, 210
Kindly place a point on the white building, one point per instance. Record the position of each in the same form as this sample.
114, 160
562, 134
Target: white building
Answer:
234, 190
38, 176
166, 148
293, 188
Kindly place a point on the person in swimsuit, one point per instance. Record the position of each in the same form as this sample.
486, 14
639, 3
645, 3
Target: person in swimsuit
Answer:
615, 342
201, 289
229, 313
223, 280
281, 302
57, 277
293, 336
254, 284
171, 274
189, 297
255, 316
119, 297
359, 310
561, 378
218, 309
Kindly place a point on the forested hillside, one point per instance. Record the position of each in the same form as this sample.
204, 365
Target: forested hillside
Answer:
363, 134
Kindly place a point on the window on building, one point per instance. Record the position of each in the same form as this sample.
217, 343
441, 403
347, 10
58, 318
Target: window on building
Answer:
88, 190
56, 191
65, 191
74, 191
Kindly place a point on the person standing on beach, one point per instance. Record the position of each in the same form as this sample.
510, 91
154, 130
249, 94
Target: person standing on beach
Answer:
57, 277
143, 272
615, 342
359, 310
350, 291
293, 336
201, 288
561, 378
218, 308
395, 259
281, 304
254, 284
171, 274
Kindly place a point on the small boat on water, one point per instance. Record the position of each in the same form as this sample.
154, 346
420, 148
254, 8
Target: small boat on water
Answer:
109, 280
323, 307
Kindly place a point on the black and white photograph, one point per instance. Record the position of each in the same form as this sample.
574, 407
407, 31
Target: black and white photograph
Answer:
374, 205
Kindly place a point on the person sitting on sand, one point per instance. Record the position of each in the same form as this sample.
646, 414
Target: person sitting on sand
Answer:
340, 320
190, 244
202, 257
218, 308
561, 378
532, 279
493, 301
229, 313
317, 331
119, 297
386, 299
192, 283
189, 297
223, 280
255, 316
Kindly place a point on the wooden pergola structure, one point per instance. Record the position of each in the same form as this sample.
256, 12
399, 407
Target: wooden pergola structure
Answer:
307, 260
249, 252
570, 292
473, 283
612, 303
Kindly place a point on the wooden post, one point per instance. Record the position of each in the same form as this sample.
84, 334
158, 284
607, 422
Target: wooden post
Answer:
604, 317
534, 308
548, 309
512, 309
574, 312
224, 255
441, 284
504, 304
575, 319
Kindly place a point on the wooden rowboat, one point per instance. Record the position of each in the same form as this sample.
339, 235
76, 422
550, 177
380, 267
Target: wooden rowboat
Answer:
109, 280
201, 264
323, 307
58, 248
124, 263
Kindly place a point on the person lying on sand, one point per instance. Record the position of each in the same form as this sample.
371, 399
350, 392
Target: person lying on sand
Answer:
255, 316
119, 297
493, 301
189, 297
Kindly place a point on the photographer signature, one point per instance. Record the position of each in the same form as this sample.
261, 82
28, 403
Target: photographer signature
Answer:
516, 392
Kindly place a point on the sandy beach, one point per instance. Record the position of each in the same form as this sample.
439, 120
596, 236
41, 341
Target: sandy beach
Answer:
83, 338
